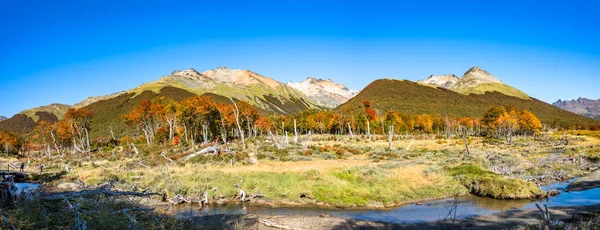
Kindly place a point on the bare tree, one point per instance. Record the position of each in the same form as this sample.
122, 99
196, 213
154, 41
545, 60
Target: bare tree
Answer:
236, 112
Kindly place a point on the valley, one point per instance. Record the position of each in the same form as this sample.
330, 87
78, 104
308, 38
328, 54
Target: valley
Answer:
233, 144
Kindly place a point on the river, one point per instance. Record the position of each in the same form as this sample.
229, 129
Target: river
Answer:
466, 206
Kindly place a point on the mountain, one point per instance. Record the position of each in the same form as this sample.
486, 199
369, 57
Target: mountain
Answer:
326, 93
414, 98
444, 81
268, 95
25, 121
2, 118
474, 81
53, 110
581, 106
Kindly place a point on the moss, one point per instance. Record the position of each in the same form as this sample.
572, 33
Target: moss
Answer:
489, 184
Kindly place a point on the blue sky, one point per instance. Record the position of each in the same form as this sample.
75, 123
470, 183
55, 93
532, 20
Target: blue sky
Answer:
65, 51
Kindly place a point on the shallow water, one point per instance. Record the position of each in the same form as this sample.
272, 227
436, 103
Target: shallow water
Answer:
24, 189
467, 206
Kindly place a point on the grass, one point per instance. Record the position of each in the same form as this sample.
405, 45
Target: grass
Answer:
359, 185
489, 184
494, 87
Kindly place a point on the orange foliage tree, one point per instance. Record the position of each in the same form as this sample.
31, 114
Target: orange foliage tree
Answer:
79, 122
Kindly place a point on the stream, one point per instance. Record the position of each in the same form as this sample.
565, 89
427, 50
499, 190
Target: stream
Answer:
467, 206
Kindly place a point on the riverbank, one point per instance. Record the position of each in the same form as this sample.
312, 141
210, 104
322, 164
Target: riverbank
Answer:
516, 219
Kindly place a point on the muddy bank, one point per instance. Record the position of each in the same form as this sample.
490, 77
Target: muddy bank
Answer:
516, 219
589, 181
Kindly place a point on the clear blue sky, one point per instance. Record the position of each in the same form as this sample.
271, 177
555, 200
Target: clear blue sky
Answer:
65, 51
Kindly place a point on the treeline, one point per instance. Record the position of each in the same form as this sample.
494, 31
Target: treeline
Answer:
199, 119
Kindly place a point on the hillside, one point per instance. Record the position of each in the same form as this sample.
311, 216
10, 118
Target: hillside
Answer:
268, 95
581, 106
108, 113
411, 97
326, 93
25, 121
58, 110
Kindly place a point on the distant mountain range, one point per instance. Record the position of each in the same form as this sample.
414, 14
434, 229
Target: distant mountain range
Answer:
475, 80
2, 118
326, 93
469, 95
581, 106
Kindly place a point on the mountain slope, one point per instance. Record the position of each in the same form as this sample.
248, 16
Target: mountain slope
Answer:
326, 93
581, 106
411, 97
2, 118
478, 81
107, 114
268, 95
25, 121
58, 110
93, 99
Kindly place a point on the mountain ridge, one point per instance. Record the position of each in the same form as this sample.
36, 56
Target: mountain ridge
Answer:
265, 93
474, 81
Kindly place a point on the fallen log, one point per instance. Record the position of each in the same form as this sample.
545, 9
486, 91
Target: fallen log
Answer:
67, 195
211, 149
179, 199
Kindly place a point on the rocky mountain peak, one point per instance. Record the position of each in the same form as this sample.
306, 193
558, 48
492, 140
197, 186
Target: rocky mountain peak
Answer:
475, 80
478, 73
188, 73
444, 81
326, 93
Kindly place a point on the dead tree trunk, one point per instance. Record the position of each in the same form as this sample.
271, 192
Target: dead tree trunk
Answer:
237, 121
350, 130
295, 133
